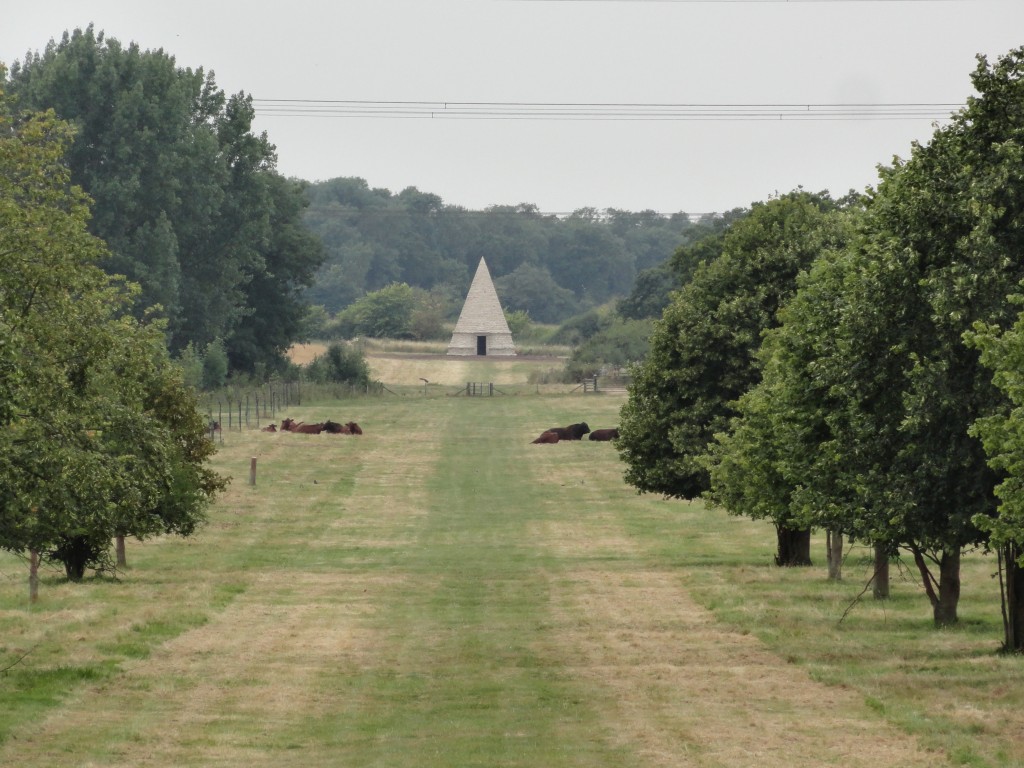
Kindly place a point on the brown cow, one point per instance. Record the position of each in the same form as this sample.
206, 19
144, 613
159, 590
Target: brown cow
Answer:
287, 424
605, 434
354, 428
547, 437
270, 428
572, 432
302, 428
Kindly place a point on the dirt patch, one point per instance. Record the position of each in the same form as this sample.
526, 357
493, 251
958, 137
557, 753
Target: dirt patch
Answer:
681, 690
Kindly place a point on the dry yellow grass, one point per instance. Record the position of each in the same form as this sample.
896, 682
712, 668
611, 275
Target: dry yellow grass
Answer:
683, 690
411, 368
303, 354
367, 619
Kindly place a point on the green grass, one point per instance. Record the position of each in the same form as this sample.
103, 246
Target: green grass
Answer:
399, 598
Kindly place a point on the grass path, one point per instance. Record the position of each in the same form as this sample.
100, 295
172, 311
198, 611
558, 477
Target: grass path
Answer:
440, 592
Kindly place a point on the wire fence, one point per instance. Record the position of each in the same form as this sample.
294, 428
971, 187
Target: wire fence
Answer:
238, 408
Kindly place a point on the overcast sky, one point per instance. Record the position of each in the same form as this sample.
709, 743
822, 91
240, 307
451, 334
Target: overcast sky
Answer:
495, 62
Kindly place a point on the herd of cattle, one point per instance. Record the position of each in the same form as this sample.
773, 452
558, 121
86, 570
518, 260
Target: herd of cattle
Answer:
575, 432
552, 435
329, 427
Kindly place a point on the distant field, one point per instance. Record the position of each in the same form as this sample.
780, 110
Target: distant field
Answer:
408, 363
303, 354
440, 592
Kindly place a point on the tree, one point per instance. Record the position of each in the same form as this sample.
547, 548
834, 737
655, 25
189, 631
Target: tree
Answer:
589, 260
341, 364
383, 314
186, 196
895, 459
775, 461
651, 293
617, 343
99, 437
532, 289
703, 349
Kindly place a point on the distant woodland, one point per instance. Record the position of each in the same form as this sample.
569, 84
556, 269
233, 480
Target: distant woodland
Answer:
549, 266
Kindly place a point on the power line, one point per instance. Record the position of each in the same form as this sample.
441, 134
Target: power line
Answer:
751, 2
498, 110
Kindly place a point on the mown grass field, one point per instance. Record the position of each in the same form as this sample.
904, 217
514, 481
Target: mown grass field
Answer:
441, 592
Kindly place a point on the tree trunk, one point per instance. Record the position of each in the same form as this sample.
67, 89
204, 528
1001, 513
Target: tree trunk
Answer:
794, 547
944, 601
834, 553
76, 554
949, 589
880, 580
33, 576
119, 548
1012, 553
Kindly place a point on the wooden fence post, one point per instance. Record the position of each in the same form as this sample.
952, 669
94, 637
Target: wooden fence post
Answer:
252, 471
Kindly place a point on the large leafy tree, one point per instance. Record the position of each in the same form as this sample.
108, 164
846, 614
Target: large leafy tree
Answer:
780, 459
98, 435
895, 458
942, 251
703, 350
186, 195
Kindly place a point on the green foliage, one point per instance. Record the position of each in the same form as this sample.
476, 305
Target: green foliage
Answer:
872, 405
771, 451
191, 364
518, 323
186, 196
383, 314
702, 356
651, 293
548, 266
342, 363
215, 365
316, 323
581, 327
1002, 433
618, 344
429, 313
532, 289
99, 435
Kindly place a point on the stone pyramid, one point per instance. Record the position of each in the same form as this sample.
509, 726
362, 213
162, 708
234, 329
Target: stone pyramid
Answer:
482, 329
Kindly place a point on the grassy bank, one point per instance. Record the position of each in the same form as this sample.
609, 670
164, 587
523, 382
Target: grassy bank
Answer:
441, 592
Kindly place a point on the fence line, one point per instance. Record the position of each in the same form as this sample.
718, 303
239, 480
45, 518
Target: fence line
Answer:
245, 408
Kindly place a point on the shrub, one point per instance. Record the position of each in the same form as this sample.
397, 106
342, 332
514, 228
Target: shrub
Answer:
215, 365
342, 363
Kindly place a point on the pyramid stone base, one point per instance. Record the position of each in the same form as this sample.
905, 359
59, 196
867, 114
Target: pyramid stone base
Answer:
498, 345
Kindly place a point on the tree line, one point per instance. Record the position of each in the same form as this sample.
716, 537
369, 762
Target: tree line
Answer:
550, 266
854, 365
185, 195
